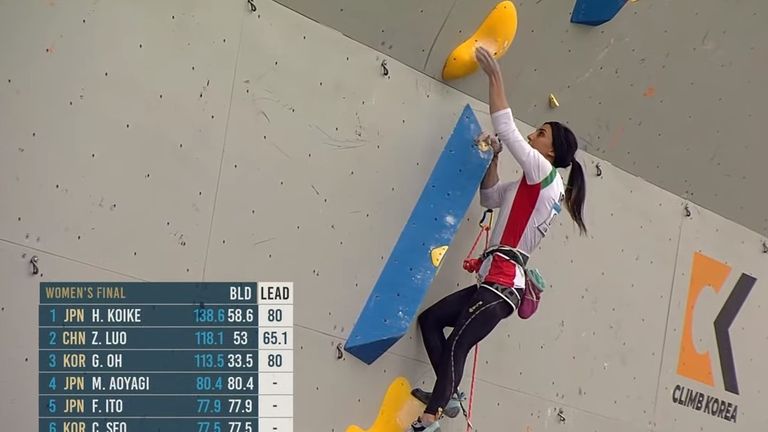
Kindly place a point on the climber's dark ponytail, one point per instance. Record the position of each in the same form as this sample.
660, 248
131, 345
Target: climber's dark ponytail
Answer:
565, 145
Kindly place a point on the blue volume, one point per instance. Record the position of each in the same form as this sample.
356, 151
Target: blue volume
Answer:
434, 220
595, 12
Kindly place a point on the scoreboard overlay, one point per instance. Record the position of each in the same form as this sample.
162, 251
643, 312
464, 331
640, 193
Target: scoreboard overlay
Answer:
166, 357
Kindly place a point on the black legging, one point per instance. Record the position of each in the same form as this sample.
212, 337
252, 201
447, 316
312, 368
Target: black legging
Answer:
473, 312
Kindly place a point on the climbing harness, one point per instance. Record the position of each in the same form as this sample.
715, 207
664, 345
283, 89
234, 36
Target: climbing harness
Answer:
473, 265
534, 282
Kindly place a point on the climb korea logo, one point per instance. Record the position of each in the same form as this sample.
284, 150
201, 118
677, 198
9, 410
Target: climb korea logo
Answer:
710, 273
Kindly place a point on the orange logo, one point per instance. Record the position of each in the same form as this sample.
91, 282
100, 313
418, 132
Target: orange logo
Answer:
705, 272
709, 273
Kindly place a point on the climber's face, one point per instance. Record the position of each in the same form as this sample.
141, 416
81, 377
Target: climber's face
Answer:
541, 140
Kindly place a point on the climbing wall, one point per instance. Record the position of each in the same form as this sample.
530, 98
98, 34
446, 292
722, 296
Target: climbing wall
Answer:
113, 118
201, 140
618, 83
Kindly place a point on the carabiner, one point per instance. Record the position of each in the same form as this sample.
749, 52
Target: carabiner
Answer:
486, 213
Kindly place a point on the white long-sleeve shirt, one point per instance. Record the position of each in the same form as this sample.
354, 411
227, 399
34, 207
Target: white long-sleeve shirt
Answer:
526, 206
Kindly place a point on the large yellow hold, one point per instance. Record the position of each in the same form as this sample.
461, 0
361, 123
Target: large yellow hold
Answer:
398, 409
495, 34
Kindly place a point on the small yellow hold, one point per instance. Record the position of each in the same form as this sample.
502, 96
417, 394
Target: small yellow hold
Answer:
495, 34
484, 145
438, 254
553, 103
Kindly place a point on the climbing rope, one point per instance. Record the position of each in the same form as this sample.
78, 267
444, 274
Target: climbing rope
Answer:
468, 413
472, 265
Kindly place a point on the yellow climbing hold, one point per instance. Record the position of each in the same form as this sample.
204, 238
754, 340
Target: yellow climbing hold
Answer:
398, 409
438, 254
495, 34
553, 103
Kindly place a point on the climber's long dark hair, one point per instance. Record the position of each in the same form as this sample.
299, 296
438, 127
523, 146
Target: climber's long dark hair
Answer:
565, 144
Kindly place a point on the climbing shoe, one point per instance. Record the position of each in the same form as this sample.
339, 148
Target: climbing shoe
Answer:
452, 409
418, 426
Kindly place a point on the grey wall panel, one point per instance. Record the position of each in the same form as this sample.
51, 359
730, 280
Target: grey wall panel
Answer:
108, 110
18, 326
498, 407
644, 92
403, 29
596, 343
740, 250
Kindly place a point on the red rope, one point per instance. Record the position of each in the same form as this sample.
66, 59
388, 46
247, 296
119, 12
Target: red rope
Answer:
472, 391
471, 251
486, 229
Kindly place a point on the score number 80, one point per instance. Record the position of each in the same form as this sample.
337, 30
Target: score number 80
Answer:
236, 315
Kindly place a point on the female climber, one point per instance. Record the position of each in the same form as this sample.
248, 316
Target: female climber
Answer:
527, 207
